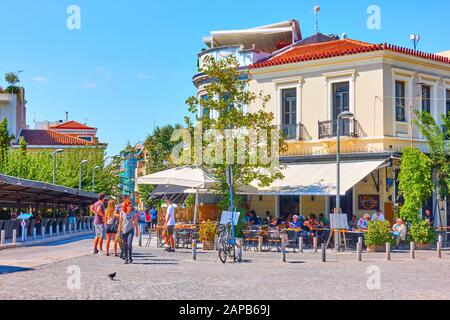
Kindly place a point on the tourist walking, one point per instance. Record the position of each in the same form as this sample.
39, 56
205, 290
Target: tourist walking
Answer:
128, 228
169, 225
154, 214
111, 225
72, 215
98, 209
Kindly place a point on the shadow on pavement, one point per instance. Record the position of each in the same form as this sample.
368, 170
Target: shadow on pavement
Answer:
12, 269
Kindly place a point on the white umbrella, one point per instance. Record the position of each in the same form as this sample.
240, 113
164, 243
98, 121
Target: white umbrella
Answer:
189, 177
25, 216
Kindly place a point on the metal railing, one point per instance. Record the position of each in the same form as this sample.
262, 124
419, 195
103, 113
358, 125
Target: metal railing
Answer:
349, 128
293, 132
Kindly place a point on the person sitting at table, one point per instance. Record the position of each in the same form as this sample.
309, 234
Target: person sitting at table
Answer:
312, 223
323, 221
378, 216
269, 218
254, 220
273, 224
363, 223
281, 220
429, 218
399, 231
247, 218
353, 224
295, 224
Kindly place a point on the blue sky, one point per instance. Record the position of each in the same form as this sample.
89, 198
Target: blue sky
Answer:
130, 66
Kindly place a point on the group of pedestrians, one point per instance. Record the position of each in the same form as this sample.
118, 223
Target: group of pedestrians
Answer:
116, 223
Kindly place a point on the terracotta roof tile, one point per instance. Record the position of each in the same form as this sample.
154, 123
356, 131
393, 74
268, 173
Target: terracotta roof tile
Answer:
51, 138
71, 125
338, 48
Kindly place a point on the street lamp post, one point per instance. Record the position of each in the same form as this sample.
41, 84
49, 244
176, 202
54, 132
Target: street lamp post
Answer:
81, 173
93, 177
342, 116
54, 163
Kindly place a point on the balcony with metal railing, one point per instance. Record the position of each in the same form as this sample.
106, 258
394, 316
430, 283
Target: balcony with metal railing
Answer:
293, 132
349, 128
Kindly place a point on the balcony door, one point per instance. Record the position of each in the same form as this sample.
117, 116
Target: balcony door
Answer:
341, 103
289, 113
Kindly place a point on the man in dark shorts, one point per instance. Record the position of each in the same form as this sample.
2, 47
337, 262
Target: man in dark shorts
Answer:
169, 225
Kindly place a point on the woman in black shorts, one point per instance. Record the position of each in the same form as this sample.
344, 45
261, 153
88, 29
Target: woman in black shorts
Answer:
111, 226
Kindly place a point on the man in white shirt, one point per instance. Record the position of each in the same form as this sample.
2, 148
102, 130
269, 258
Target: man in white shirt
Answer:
169, 225
379, 216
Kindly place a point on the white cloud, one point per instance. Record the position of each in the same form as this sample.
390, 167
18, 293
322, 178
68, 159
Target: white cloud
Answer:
40, 79
90, 85
143, 76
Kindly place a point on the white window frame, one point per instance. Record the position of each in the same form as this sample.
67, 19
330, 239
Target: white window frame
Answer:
338, 77
407, 77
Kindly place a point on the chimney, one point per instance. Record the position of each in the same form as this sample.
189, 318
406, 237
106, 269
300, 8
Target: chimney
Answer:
67, 116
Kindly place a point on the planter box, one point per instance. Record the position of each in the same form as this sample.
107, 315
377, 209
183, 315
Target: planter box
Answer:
377, 248
208, 245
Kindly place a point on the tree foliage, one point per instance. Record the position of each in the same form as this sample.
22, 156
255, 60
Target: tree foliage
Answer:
228, 97
436, 136
416, 182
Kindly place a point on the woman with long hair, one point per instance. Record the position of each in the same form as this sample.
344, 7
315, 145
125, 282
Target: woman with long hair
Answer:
111, 225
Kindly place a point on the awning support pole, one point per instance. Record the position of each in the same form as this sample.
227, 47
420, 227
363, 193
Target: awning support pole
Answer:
196, 205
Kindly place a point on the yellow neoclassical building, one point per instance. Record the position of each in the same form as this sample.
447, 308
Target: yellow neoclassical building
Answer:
311, 81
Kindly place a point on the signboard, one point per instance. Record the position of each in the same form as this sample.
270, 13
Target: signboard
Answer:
368, 202
226, 217
339, 221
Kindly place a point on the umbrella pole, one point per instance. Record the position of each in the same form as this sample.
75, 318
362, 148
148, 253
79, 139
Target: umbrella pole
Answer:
196, 206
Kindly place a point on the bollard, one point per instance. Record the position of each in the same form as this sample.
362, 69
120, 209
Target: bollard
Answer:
64, 229
70, 228
260, 243
43, 232
439, 250
360, 240
194, 250
300, 244
2, 237
140, 239
441, 240
359, 251
315, 242
283, 251
14, 237
388, 251
51, 231
324, 253
413, 250
24, 234
240, 249
57, 230
216, 243
75, 228
85, 226
34, 233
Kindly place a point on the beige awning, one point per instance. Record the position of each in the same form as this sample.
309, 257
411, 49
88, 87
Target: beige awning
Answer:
318, 179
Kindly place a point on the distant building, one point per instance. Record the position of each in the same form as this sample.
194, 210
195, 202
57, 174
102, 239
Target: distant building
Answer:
12, 107
132, 165
59, 135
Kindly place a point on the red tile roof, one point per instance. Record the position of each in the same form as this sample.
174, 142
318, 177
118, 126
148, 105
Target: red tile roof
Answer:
51, 138
338, 48
72, 125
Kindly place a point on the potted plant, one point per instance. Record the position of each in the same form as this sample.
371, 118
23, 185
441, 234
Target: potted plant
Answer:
422, 234
378, 234
207, 234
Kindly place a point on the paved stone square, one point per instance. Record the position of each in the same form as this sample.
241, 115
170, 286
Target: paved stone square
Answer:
42, 273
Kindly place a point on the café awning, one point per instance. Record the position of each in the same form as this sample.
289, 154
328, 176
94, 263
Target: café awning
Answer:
318, 179
189, 177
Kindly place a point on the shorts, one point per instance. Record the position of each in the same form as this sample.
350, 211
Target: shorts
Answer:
111, 229
99, 231
72, 220
170, 230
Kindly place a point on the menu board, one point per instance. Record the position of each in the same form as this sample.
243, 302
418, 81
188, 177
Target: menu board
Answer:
369, 202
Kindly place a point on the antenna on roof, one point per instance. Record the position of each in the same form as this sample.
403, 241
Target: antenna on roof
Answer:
316, 13
344, 35
415, 38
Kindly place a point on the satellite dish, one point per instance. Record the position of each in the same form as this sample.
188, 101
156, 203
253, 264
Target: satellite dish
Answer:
316, 9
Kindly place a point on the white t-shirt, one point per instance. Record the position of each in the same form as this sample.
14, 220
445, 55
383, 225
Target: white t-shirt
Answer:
170, 216
375, 217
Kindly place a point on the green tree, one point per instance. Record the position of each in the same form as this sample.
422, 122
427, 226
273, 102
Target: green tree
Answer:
439, 150
228, 96
13, 80
416, 182
5, 141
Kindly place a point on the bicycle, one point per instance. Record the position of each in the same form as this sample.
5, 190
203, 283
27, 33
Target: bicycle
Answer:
227, 247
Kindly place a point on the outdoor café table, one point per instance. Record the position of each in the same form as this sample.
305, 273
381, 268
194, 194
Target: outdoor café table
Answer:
354, 235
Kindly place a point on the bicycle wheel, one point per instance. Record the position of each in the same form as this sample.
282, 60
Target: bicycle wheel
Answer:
223, 251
